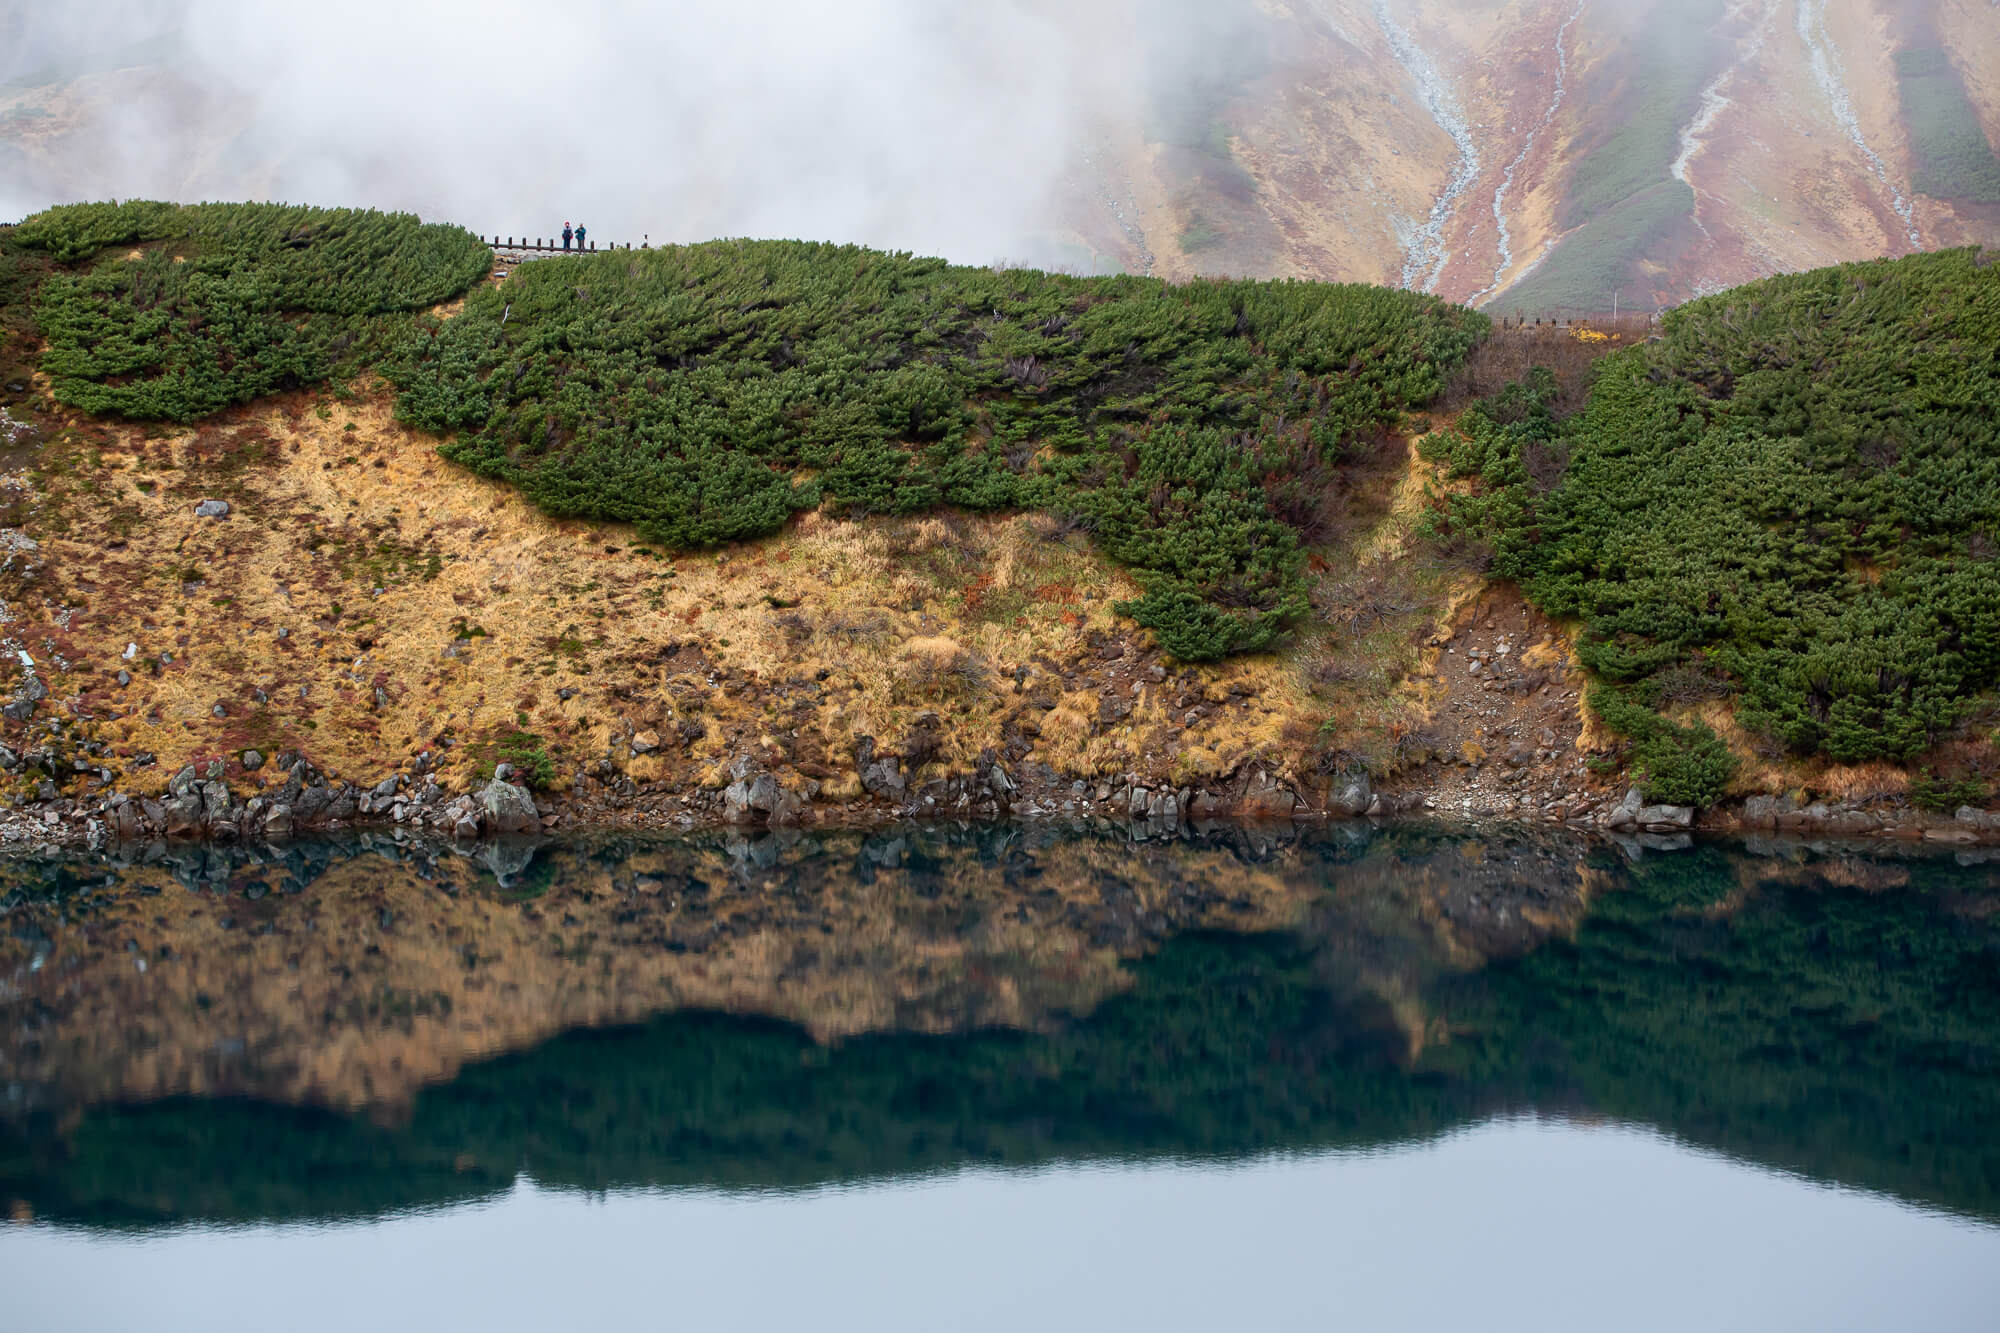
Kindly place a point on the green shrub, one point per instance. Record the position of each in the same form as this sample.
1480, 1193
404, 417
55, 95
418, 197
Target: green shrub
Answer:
1943, 794
242, 300
1798, 484
1953, 159
1672, 764
526, 752
706, 393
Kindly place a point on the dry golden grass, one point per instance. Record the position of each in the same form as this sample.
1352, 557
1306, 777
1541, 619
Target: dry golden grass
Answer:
474, 615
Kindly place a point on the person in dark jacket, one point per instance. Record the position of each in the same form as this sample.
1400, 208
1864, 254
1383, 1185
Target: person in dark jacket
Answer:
566, 235
579, 237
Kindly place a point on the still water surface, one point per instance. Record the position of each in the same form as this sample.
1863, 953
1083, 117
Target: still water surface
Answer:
1055, 1078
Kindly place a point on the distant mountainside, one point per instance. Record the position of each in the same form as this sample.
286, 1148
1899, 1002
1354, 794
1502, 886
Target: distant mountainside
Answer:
1549, 154
1531, 155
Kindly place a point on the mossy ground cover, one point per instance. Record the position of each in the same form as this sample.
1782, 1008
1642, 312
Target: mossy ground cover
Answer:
708, 393
1790, 499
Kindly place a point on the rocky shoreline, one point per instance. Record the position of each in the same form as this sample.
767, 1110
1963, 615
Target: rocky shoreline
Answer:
289, 797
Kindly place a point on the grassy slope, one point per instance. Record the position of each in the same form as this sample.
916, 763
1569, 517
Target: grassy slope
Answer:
1953, 160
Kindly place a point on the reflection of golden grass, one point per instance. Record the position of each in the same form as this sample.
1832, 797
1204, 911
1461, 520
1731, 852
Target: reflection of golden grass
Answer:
374, 983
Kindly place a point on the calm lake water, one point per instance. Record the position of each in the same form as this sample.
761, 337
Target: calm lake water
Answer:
1059, 1078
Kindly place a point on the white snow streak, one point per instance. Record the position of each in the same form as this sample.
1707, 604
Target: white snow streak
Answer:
1824, 59
1427, 254
1715, 98
1507, 182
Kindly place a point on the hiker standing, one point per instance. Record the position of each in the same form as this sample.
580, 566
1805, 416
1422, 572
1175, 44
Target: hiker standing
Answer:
579, 237
566, 235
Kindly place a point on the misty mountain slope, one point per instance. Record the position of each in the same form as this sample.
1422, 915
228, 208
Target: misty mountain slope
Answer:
1533, 155
1546, 156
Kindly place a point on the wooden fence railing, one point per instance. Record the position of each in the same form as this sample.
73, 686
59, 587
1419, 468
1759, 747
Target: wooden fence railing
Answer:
552, 245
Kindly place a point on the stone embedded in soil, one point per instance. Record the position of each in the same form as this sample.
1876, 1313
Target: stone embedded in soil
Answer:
212, 509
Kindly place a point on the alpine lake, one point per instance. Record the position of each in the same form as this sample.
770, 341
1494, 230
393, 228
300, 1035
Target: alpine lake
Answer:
1016, 1077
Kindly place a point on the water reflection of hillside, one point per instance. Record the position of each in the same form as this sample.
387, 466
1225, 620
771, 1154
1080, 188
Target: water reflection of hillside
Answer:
793, 1012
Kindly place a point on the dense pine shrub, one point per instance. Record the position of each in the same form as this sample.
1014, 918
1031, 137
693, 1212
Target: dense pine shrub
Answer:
707, 392
222, 303
1797, 487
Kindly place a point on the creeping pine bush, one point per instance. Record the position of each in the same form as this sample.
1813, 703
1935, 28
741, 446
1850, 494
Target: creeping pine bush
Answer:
226, 302
705, 393
1797, 486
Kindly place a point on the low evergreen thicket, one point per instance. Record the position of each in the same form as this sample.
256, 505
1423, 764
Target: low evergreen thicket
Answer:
706, 393
1794, 490
223, 303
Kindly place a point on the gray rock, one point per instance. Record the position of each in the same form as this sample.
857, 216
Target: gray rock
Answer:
1762, 812
1665, 818
183, 814
884, 778
124, 677
214, 802
1263, 798
35, 689
1003, 784
19, 711
386, 788
278, 821
1625, 814
465, 826
252, 760
212, 509
508, 809
126, 821
1986, 821
503, 772
1354, 796
1137, 803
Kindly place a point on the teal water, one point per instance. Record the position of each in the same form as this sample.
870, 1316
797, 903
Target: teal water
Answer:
1381, 1080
